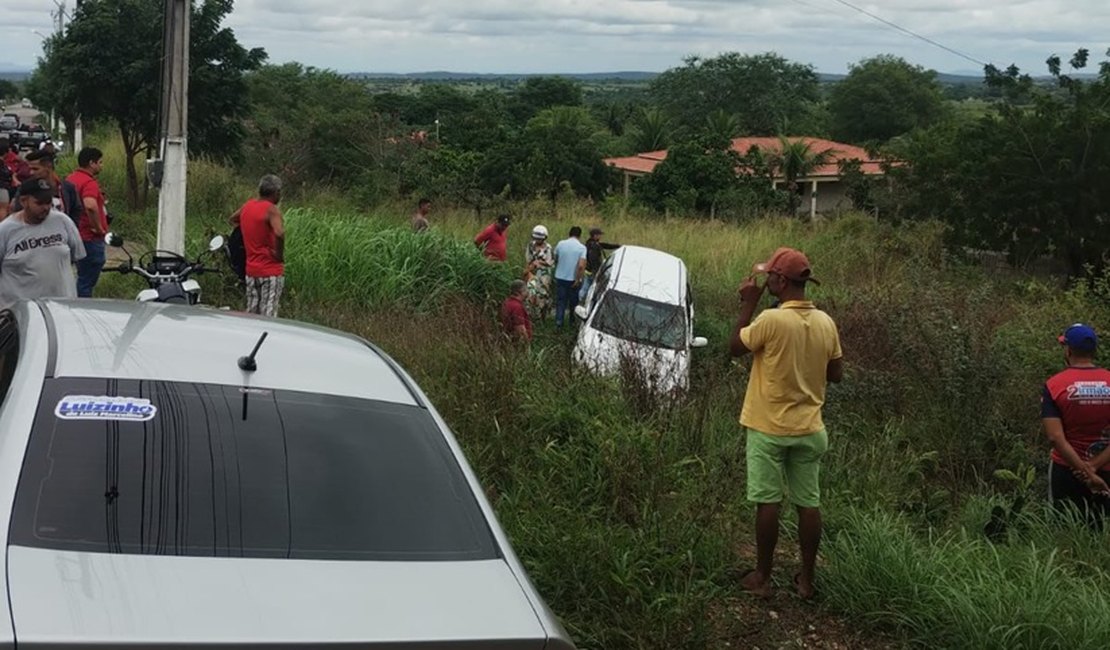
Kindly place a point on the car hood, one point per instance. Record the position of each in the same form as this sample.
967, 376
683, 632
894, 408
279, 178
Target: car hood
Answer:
66, 599
666, 370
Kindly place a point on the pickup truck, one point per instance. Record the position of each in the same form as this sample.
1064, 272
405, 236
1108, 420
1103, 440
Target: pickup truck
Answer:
30, 136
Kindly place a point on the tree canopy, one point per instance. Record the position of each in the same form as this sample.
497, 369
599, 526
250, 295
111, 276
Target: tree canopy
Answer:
1029, 177
105, 64
884, 97
765, 92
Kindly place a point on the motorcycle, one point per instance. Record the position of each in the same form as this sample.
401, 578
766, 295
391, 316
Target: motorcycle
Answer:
168, 275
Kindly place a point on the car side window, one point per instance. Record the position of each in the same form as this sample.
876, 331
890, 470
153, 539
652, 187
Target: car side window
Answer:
9, 350
601, 283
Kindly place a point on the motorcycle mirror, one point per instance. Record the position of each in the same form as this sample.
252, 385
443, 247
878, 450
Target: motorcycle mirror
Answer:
113, 240
216, 244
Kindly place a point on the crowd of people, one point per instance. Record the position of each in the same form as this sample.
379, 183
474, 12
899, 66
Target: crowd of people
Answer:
49, 224
554, 279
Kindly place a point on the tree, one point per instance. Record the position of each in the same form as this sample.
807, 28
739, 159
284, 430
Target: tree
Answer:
109, 59
452, 175
797, 159
49, 90
563, 150
1027, 178
722, 125
764, 91
315, 126
651, 130
8, 89
706, 176
539, 93
884, 97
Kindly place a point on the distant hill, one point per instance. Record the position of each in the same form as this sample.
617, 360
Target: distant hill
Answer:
622, 75
618, 75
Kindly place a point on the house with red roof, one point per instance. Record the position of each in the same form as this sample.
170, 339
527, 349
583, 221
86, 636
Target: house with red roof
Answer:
823, 187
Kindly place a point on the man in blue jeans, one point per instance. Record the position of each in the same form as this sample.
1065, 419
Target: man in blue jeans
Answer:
570, 264
93, 223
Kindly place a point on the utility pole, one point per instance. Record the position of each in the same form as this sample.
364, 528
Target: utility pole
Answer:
175, 120
59, 16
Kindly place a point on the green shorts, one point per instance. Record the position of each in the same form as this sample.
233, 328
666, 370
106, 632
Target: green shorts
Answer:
797, 459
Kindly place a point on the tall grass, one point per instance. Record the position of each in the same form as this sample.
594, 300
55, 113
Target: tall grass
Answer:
363, 263
955, 589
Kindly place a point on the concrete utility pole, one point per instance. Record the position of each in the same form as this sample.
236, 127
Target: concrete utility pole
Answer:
59, 16
175, 120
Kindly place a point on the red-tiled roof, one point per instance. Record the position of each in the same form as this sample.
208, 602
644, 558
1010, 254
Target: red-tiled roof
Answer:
644, 163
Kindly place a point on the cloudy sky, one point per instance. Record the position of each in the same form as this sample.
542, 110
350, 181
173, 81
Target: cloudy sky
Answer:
605, 35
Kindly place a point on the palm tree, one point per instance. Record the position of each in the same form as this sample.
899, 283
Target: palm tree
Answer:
797, 159
652, 130
722, 126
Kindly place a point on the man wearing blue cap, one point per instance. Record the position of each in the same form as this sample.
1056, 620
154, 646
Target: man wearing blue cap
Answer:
1075, 412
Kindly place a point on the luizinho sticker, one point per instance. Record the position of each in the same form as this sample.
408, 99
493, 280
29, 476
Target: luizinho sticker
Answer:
87, 407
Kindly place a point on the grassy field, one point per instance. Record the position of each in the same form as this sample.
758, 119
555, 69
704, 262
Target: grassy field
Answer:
630, 515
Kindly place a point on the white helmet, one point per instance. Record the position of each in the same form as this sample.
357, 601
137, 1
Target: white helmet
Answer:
539, 232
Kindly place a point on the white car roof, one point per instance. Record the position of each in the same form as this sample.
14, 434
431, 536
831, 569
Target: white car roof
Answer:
650, 274
132, 340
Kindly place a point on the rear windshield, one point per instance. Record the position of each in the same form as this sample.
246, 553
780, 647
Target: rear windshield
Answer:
159, 468
642, 321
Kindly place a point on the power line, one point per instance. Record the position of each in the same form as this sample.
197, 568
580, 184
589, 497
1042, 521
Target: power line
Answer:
911, 33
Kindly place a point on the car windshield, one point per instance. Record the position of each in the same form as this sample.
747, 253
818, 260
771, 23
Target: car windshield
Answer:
163, 468
643, 321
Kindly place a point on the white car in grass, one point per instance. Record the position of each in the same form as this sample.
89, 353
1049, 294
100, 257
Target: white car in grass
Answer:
638, 320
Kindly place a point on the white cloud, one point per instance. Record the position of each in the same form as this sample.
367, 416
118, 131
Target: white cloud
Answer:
594, 35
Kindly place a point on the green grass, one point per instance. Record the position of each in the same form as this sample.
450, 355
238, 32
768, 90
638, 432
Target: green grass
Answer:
954, 589
365, 263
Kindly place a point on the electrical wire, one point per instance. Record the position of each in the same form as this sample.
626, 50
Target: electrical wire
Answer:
911, 33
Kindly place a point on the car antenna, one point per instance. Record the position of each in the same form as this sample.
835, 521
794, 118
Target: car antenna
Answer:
247, 364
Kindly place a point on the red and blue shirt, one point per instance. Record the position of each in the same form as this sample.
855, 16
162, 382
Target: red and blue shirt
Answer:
1080, 397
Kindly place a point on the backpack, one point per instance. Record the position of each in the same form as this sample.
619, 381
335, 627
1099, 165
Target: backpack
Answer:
7, 180
237, 253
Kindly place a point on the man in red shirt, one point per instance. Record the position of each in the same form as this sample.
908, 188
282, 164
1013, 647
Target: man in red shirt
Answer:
93, 222
13, 171
514, 317
493, 239
1075, 412
263, 229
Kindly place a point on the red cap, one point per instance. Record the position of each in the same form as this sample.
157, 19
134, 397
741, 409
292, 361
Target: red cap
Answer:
790, 264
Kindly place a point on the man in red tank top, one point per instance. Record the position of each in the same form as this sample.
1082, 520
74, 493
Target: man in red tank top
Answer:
263, 230
1075, 412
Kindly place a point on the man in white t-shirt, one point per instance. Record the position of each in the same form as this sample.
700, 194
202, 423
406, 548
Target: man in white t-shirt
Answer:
38, 246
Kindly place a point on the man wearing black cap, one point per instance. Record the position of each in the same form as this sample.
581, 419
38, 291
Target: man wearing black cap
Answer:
38, 245
594, 257
1075, 413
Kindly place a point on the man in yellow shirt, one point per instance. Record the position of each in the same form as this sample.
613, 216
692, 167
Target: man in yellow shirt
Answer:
796, 352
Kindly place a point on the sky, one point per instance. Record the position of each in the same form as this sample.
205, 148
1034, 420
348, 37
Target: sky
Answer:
572, 36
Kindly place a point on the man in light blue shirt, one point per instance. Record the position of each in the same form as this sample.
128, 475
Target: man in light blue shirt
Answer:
570, 264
